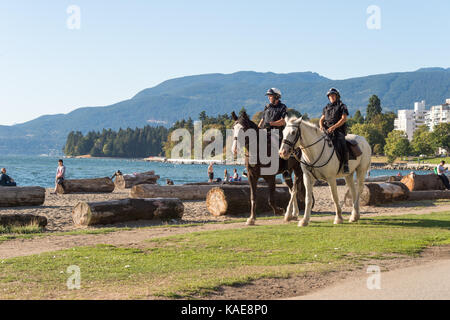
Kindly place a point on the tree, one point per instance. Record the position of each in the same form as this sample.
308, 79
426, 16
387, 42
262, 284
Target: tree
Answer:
241, 112
257, 117
422, 141
397, 145
440, 136
377, 149
370, 132
358, 118
373, 108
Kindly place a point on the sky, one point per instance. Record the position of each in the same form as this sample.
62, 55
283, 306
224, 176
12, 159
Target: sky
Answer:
49, 66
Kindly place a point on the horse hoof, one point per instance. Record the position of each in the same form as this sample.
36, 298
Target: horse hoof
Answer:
302, 223
290, 218
353, 219
338, 221
250, 222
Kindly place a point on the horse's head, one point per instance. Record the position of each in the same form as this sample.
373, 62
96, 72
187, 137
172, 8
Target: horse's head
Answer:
241, 124
291, 135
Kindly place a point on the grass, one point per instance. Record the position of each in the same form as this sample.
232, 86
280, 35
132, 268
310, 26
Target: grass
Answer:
196, 263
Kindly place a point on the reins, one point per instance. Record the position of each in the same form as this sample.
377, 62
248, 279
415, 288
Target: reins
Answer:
297, 137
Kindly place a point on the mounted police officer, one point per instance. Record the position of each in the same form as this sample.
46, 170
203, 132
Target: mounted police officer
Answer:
333, 121
274, 112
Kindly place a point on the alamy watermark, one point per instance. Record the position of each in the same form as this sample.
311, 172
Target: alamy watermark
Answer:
73, 21
374, 20
74, 280
374, 280
255, 142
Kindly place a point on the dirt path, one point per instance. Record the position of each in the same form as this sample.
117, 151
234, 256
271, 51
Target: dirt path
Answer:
132, 238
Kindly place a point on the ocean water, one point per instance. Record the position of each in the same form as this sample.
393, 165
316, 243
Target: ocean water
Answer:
41, 171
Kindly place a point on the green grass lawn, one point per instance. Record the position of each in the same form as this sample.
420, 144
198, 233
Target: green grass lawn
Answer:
196, 263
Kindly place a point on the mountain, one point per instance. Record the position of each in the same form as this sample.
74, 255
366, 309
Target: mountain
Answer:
221, 93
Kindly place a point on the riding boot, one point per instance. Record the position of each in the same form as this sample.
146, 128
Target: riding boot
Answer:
346, 169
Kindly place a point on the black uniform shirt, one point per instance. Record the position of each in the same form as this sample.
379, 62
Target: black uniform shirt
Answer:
333, 113
274, 113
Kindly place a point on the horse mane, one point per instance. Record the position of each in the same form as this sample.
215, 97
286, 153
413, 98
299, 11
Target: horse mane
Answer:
245, 121
307, 123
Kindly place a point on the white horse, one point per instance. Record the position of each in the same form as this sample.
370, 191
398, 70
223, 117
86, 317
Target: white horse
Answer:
319, 161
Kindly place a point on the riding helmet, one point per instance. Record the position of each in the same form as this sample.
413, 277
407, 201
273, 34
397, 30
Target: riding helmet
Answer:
335, 91
274, 92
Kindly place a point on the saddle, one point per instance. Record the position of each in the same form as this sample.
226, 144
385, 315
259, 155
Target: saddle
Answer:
353, 149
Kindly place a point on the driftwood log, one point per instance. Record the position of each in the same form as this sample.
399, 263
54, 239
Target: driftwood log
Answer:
183, 192
21, 196
127, 181
229, 200
97, 185
378, 193
429, 195
22, 220
417, 182
109, 212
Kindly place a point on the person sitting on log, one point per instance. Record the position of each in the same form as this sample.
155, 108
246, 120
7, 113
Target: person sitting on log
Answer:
441, 173
60, 175
118, 173
6, 180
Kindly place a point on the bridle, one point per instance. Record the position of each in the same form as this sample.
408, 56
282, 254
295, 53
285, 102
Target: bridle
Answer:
298, 135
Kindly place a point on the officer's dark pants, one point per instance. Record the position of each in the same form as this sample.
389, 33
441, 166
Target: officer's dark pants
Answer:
339, 142
445, 181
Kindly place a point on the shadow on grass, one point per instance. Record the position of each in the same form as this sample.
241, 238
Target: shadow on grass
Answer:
419, 223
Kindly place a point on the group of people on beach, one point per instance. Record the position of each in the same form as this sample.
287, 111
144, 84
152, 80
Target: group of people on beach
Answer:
226, 175
7, 181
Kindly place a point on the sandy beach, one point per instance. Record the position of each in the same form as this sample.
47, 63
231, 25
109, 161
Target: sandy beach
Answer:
58, 209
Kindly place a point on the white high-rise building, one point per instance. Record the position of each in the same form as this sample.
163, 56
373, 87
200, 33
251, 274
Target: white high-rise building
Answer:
409, 120
405, 122
438, 114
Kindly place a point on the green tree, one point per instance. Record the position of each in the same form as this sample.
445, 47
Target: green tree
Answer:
377, 149
373, 108
422, 141
441, 136
397, 145
370, 132
358, 117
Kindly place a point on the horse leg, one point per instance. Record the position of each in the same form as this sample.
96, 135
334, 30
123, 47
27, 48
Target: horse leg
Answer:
333, 188
253, 185
271, 183
308, 181
290, 208
355, 196
298, 183
360, 178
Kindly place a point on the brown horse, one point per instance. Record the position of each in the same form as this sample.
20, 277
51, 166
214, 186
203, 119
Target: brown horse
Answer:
286, 167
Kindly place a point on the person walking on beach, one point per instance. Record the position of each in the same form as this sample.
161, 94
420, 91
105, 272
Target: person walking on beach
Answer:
211, 172
60, 175
441, 173
6, 180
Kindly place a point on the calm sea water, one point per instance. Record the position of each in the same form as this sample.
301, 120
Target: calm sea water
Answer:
41, 171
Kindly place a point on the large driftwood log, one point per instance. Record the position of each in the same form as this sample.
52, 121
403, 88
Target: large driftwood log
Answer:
22, 220
97, 185
374, 193
229, 200
127, 181
417, 182
183, 192
429, 195
21, 196
109, 212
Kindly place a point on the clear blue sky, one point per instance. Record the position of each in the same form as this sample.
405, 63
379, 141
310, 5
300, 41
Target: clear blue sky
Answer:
126, 46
